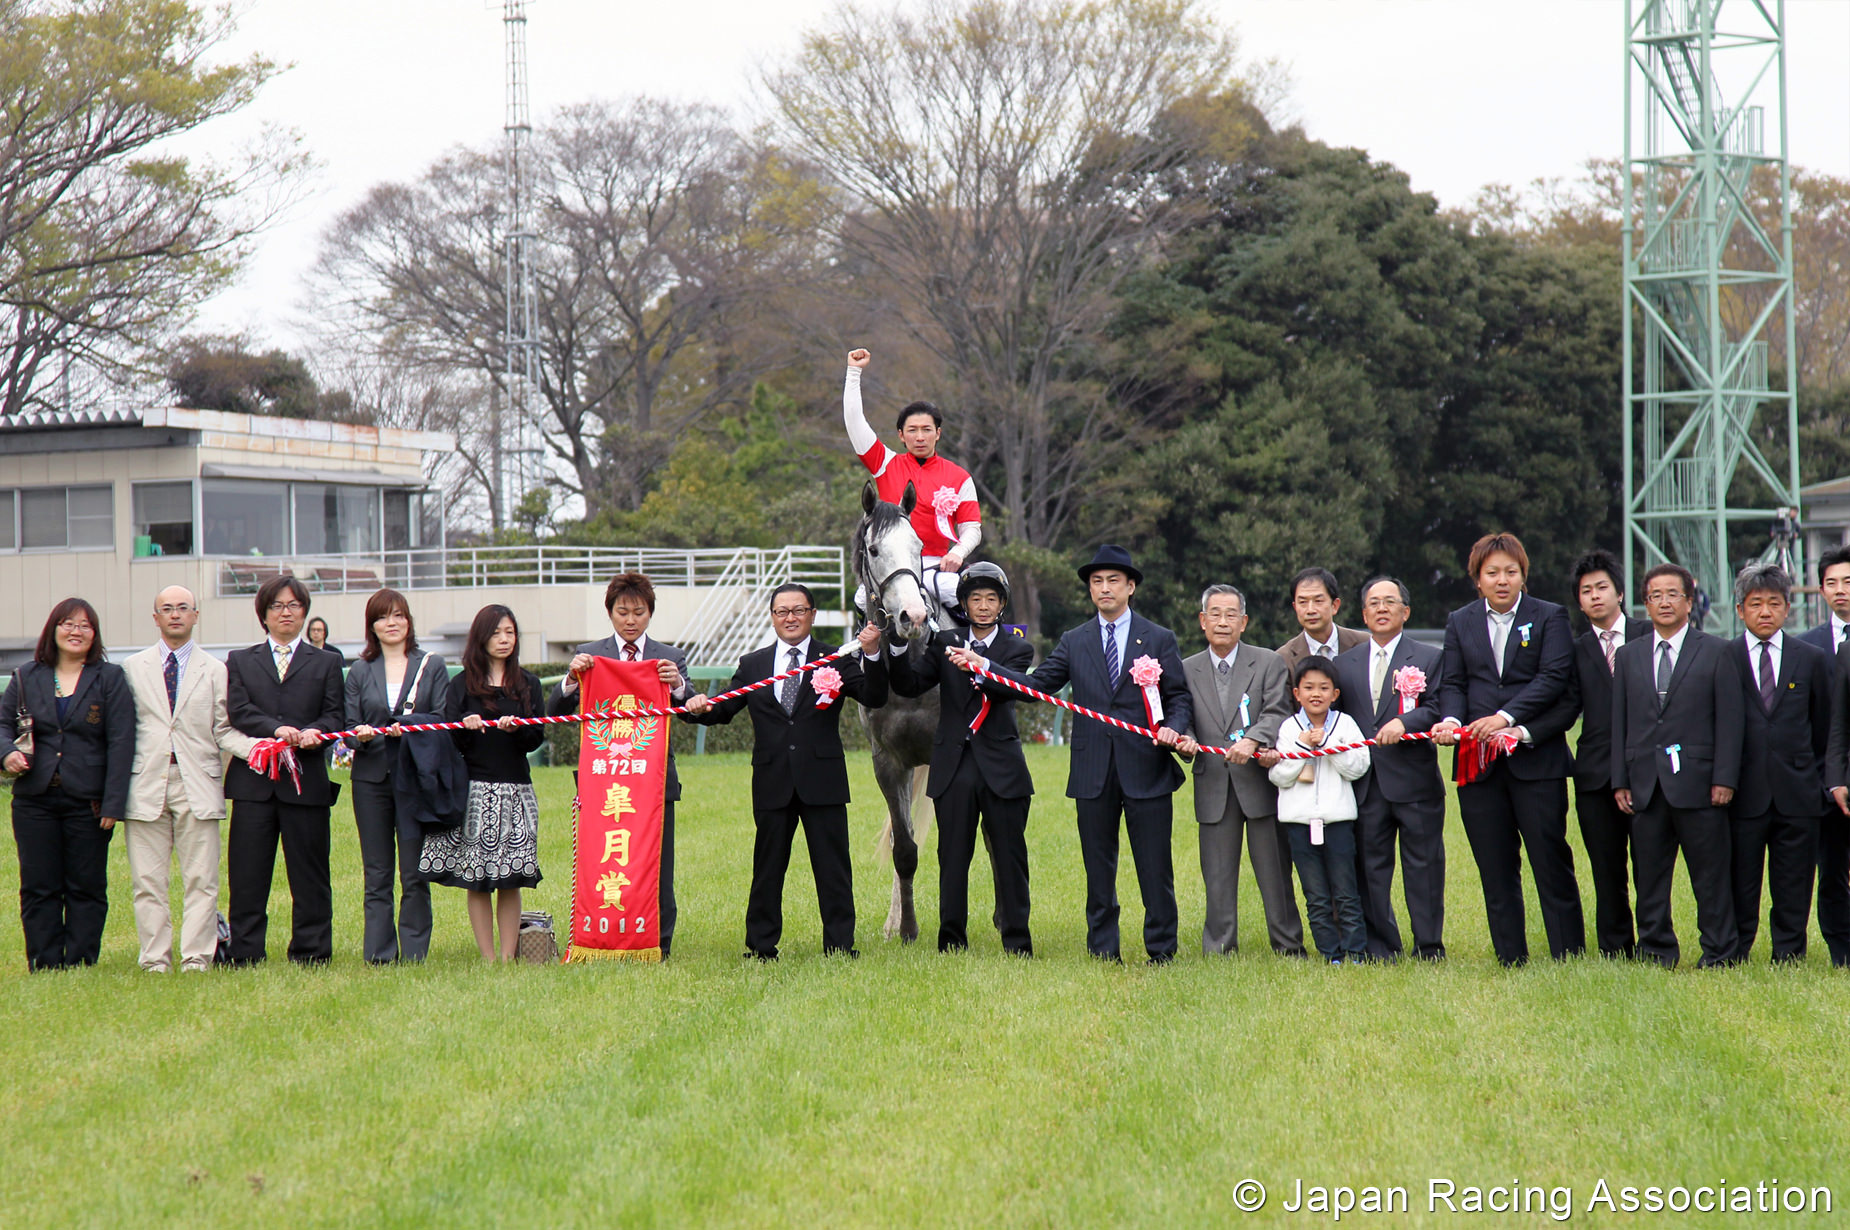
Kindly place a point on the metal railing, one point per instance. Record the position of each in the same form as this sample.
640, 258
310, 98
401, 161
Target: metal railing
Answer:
724, 568
734, 616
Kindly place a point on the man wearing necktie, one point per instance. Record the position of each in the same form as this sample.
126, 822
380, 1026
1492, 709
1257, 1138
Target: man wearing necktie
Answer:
282, 688
799, 772
176, 797
978, 774
1114, 773
1606, 831
1780, 806
1508, 666
1402, 796
1239, 696
1677, 738
1834, 587
629, 600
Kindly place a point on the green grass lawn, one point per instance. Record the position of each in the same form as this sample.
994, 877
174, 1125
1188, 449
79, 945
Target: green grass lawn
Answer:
905, 1088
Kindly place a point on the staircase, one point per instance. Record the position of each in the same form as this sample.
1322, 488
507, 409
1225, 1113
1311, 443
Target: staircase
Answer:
735, 616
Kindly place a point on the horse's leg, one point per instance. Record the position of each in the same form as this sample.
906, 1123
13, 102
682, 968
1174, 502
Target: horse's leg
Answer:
896, 784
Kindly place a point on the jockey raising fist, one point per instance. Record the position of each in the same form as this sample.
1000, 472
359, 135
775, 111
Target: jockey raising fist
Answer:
947, 518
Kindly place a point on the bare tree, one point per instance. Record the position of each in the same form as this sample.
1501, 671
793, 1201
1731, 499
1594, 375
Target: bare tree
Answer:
1007, 164
658, 225
107, 241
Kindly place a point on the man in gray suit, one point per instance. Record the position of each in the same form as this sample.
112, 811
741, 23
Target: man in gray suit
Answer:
629, 600
1241, 693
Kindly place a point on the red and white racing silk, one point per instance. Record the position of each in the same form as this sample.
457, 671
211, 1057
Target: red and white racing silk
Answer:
946, 517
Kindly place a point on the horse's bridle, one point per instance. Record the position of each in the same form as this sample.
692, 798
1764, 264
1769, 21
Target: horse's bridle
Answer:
877, 613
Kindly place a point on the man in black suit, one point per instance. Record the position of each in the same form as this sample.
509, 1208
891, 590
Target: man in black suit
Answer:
1402, 794
1605, 829
1677, 735
1833, 636
1834, 833
1834, 586
977, 769
282, 688
629, 600
1780, 806
799, 773
1508, 661
1113, 772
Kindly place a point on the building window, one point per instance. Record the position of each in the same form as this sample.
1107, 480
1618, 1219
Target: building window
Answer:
164, 516
335, 519
245, 518
404, 520
9, 520
73, 518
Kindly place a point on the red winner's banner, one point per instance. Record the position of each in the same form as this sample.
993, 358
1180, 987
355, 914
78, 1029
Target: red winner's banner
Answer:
617, 826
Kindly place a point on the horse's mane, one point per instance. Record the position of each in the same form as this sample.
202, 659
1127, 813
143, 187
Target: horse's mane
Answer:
883, 517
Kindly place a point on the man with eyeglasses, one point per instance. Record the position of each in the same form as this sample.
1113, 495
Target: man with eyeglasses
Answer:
176, 795
1677, 738
799, 772
282, 688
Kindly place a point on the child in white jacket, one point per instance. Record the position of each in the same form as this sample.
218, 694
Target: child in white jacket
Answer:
1316, 806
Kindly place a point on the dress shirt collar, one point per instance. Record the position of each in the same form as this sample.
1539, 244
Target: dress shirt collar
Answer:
1116, 625
1391, 648
1675, 642
1507, 618
293, 646
184, 653
641, 643
1777, 641
1839, 629
1616, 632
1233, 656
1326, 648
783, 652
983, 640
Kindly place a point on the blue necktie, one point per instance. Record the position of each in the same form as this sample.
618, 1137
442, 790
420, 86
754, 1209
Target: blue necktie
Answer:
171, 672
1111, 654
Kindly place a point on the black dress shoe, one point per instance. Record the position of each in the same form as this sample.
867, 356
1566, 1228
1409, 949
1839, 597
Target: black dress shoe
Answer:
749, 955
1168, 958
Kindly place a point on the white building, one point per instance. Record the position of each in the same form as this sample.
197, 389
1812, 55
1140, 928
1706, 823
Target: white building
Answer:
115, 507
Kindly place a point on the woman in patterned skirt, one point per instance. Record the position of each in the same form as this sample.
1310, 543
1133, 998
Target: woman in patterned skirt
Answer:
497, 848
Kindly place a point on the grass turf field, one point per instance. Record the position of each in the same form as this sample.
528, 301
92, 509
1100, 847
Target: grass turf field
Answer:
905, 1088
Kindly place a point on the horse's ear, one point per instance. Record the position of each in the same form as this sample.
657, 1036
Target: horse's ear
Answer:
908, 501
870, 496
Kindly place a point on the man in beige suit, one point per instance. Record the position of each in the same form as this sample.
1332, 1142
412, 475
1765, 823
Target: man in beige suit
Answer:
1315, 603
1241, 693
183, 739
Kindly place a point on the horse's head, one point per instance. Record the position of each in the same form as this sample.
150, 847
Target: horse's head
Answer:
889, 562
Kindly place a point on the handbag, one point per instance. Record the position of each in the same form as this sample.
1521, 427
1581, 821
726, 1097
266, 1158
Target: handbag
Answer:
22, 742
536, 945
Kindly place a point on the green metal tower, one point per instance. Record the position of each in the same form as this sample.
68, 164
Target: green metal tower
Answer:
1706, 285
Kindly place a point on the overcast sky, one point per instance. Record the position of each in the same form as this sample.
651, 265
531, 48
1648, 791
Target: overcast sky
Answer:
1458, 93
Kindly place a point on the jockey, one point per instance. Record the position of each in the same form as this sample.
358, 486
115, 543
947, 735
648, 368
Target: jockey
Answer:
947, 519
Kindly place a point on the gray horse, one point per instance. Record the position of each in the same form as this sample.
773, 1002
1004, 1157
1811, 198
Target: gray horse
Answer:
889, 567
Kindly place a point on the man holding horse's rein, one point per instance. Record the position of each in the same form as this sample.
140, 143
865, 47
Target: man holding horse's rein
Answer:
948, 521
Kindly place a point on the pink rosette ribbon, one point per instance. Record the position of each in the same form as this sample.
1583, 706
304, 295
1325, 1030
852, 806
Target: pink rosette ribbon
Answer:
944, 504
827, 683
1146, 673
1409, 681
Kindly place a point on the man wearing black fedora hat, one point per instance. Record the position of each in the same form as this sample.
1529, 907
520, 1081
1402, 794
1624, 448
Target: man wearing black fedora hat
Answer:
1122, 665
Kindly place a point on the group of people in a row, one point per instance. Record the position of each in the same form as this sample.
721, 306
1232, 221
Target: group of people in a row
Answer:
159, 743
1730, 751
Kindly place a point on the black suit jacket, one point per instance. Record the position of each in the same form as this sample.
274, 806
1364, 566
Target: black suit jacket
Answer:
92, 750
1532, 687
1407, 772
563, 702
1818, 637
1837, 756
1591, 698
1145, 771
1783, 758
798, 755
1701, 716
309, 699
997, 746
368, 705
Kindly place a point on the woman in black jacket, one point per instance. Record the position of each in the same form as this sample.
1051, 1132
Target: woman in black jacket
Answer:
72, 785
497, 848
392, 678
